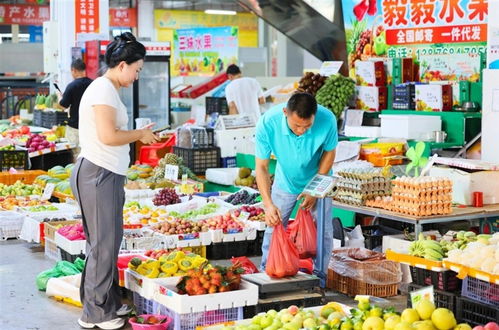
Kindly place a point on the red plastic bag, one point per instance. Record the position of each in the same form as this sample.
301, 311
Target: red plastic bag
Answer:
283, 259
304, 234
246, 264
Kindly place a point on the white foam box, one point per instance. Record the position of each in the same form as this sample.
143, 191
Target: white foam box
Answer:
465, 183
233, 141
142, 285
399, 244
71, 247
224, 176
363, 131
166, 295
413, 127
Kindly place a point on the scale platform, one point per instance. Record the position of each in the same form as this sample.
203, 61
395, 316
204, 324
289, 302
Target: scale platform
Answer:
267, 285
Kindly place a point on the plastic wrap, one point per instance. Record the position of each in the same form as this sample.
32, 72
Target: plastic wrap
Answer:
365, 265
189, 136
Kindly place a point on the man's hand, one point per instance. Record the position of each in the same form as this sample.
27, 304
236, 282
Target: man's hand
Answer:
272, 215
308, 201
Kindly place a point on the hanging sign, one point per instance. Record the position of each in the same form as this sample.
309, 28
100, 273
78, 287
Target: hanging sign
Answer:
123, 17
87, 16
24, 14
204, 51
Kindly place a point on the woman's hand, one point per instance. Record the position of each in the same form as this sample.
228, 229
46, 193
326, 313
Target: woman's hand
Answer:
148, 136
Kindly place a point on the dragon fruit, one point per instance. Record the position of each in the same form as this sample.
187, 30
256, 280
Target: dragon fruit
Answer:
72, 232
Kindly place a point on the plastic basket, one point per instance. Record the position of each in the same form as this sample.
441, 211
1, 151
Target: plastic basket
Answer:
353, 287
17, 159
217, 104
70, 257
51, 250
255, 247
193, 320
227, 250
278, 303
53, 118
198, 160
445, 280
143, 305
162, 326
229, 162
475, 313
442, 299
37, 117
484, 292
11, 224
27, 177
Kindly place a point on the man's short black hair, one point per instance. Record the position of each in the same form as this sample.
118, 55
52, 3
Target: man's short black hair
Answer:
303, 104
233, 69
78, 65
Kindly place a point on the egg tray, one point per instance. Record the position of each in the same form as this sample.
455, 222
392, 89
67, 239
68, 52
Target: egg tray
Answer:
420, 209
422, 182
373, 186
362, 174
444, 190
428, 197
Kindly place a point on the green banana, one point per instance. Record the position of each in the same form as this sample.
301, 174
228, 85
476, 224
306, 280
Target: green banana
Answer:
432, 254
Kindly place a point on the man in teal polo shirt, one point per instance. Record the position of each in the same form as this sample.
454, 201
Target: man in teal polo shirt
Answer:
303, 137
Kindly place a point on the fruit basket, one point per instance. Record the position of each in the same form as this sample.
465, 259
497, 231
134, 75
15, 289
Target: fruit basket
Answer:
166, 321
166, 294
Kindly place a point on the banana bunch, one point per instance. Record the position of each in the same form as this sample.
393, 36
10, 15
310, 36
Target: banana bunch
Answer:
426, 248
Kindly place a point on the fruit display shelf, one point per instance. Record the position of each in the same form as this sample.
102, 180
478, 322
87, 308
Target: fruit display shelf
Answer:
58, 147
166, 294
415, 261
463, 271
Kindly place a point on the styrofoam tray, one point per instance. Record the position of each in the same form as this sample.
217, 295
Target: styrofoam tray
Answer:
223, 176
71, 247
166, 294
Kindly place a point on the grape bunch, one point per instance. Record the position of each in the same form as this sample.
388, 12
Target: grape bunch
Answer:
242, 197
311, 83
336, 93
166, 196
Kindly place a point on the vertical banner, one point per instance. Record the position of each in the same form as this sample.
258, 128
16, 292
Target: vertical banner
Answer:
444, 36
204, 51
87, 16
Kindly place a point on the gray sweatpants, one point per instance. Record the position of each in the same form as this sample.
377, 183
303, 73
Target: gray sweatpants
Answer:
101, 196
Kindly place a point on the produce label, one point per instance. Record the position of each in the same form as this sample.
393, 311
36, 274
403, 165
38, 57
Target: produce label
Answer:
423, 293
171, 172
204, 51
47, 192
329, 68
403, 28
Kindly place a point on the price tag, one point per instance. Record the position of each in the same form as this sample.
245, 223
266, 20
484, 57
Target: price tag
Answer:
244, 216
328, 68
171, 172
423, 293
47, 192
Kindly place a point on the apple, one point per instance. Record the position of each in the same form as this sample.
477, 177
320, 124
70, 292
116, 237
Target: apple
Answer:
491, 325
266, 321
463, 326
309, 323
410, 315
373, 323
286, 317
293, 310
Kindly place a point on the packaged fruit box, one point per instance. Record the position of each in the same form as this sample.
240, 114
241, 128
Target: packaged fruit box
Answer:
368, 73
433, 97
371, 98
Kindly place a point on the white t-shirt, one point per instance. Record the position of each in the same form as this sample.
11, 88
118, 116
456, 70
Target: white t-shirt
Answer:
113, 158
244, 92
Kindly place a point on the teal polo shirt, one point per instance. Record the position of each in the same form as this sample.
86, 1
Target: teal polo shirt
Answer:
298, 157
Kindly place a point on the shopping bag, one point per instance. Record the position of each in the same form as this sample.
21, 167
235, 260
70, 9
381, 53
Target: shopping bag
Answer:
65, 288
246, 264
283, 259
304, 234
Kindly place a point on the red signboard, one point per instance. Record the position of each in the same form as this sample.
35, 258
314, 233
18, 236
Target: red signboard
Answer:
87, 16
123, 17
437, 35
24, 14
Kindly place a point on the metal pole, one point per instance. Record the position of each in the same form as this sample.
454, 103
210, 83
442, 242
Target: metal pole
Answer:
321, 227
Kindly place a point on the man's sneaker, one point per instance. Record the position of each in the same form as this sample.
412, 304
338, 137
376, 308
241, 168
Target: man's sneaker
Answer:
124, 310
116, 323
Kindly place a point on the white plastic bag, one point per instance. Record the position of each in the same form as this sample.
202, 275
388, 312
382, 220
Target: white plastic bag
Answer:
355, 238
65, 288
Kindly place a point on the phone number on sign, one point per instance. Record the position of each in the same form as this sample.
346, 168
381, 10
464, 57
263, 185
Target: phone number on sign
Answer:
422, 51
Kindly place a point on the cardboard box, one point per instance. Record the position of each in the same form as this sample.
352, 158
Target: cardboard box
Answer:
465, 183
388, 64
433, 97
371, 98
368, 73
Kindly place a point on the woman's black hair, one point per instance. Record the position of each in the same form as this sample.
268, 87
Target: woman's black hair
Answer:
124, 48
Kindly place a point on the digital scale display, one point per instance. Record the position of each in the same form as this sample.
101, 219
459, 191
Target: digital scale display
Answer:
320, 186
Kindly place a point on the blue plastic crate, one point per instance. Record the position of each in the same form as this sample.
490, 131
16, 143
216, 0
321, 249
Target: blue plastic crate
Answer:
192, 320
478, 290
143, 305
229, 162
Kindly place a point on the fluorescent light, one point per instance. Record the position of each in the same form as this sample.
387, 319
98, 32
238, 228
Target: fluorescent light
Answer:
219, 12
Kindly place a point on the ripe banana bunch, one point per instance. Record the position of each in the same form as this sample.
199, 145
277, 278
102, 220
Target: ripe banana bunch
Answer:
426, 248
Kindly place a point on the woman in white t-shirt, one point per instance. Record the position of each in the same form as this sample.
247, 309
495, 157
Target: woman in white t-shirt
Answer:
98, 179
